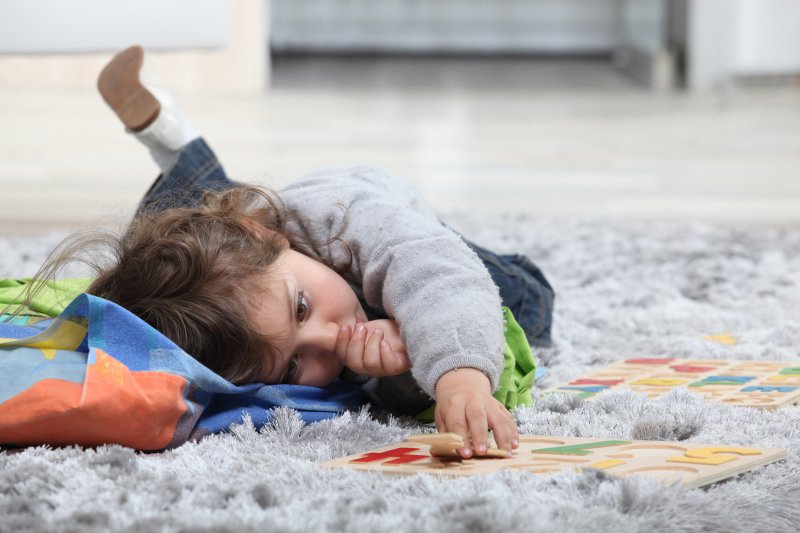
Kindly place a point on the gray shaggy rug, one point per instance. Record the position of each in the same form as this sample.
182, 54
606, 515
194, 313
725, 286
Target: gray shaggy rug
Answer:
624, 290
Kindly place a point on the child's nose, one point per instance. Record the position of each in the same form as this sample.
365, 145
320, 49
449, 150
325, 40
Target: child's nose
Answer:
320, 366
324, 336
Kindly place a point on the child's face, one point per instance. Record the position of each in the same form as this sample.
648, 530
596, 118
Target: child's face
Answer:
305, 305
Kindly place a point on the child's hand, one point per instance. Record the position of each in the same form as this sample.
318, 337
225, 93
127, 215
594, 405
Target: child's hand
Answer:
374, 348
465, 405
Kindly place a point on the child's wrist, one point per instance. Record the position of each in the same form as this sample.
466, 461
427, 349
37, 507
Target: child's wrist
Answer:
466, 377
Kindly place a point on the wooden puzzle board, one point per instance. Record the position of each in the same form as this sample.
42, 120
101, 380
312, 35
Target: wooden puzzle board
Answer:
762, 384
692, 464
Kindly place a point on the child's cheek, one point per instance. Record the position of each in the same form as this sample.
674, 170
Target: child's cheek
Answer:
320, 371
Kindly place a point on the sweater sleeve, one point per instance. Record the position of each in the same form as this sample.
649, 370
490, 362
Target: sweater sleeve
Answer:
421, 273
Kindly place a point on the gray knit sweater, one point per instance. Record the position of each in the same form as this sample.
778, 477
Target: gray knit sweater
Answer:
405, 263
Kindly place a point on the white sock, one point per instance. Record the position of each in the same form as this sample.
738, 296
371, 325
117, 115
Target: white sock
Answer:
171, 130
169, 133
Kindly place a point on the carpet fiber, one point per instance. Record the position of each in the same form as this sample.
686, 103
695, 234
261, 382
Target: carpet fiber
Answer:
623, 290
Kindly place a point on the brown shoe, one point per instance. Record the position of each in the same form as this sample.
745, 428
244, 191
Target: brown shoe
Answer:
121, 86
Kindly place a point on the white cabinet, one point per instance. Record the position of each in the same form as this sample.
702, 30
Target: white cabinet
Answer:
200, 45
484, 26
58, 26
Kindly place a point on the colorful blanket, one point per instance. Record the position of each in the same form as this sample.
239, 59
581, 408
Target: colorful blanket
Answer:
97, 374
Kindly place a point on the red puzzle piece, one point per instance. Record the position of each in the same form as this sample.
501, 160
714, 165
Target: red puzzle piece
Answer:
692, 368
400, 455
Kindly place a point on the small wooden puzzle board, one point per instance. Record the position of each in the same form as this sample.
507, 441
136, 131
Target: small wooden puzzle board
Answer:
692, 464
762, 384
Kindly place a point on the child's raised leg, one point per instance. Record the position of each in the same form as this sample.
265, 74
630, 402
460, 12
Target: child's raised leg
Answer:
524, 290
131, 87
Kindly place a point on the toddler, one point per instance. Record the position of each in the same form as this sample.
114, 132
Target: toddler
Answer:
347, 273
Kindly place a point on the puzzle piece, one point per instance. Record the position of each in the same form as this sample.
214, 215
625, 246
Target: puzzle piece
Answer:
448, 444
722, 338
581, 449
398, 456
762, 384
692, 464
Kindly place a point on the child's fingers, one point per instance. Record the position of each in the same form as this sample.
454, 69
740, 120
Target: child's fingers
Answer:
355, 350
478, 426
342, 341
437, 419
504, 428
392, 363
459, 427
368, 352
372, 354
451, 417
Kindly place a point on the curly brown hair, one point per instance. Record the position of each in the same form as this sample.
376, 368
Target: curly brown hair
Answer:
192, 273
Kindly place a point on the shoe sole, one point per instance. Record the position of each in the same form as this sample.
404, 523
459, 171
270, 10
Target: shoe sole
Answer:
121, 88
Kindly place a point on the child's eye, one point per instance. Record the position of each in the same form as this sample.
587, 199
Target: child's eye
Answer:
291, 370
302, 306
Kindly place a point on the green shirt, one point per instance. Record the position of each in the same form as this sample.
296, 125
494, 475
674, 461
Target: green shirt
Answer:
519, 370
49, 301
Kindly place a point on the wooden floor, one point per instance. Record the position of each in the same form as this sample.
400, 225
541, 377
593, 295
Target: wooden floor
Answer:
545, 137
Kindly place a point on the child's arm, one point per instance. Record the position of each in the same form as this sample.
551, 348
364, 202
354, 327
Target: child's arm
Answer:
465, 403
410, 266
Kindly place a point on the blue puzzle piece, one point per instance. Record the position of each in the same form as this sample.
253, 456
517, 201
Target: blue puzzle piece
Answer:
586, 388
763, 388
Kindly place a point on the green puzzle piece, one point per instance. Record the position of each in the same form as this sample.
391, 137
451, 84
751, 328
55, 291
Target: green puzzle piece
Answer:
581, 449
722, 380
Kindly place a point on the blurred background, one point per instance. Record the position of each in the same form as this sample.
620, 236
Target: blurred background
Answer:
665, 109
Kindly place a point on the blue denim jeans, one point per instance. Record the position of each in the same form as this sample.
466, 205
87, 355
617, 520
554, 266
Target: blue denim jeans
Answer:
195, 171
523, 287
524, 290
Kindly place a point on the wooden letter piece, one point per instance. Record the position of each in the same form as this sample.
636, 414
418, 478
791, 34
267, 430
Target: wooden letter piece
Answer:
448, 444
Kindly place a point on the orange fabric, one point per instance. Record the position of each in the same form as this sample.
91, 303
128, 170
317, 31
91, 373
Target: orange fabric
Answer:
113, 406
